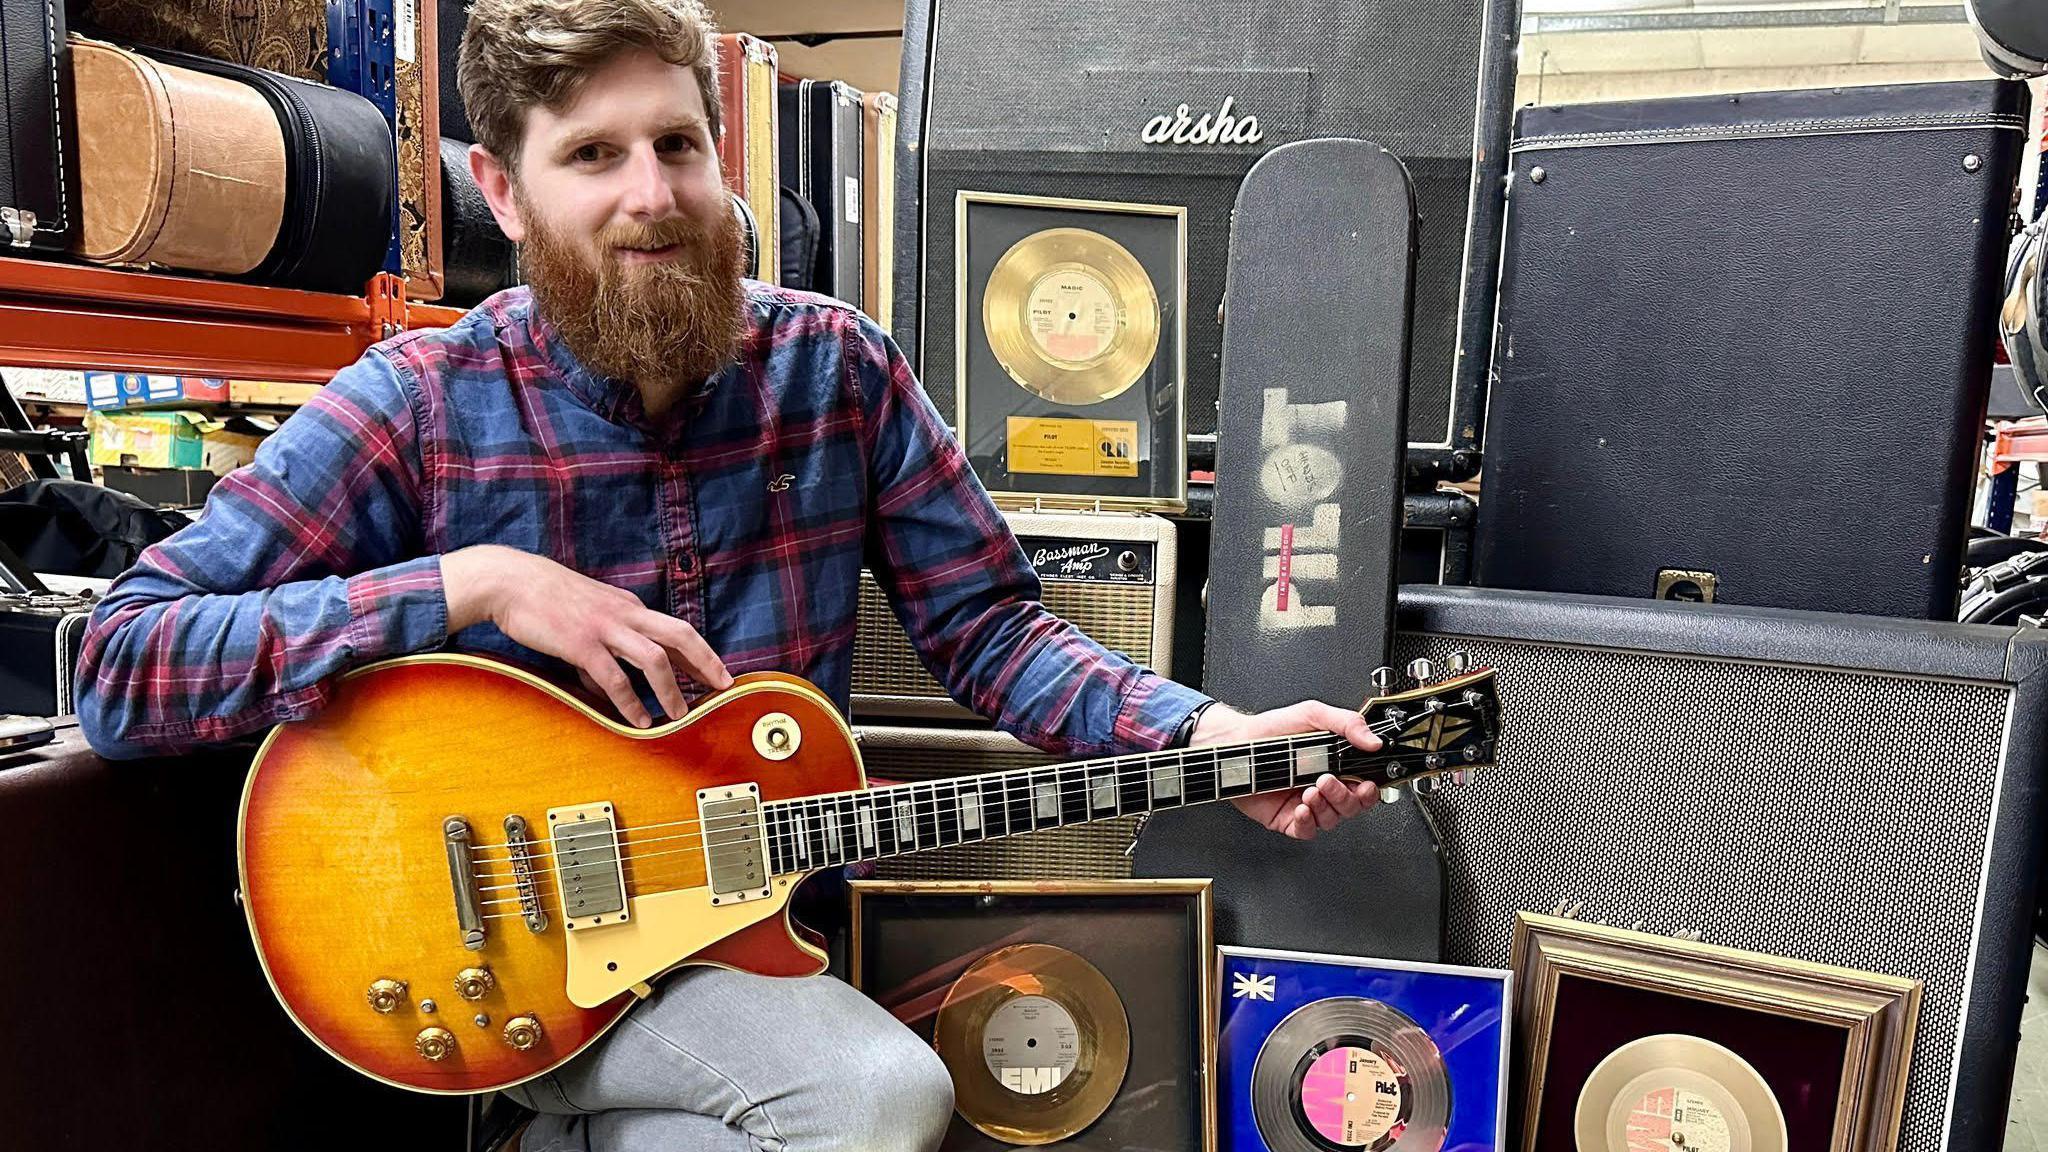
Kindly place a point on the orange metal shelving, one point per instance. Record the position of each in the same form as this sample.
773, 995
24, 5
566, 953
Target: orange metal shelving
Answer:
56, 315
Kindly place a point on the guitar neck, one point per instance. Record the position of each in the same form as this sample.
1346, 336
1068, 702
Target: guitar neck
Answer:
879, 823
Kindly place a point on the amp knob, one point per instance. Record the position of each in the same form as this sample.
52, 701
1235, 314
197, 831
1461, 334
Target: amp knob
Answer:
435, 1044
1128, 561
474, 983
522, 1032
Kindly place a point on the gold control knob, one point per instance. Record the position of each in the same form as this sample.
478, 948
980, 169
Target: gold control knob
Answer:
387, 995
435, 1044
522, 1032
474, 983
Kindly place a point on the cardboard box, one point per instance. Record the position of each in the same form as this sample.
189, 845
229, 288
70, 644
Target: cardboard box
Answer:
163, 487
172, 440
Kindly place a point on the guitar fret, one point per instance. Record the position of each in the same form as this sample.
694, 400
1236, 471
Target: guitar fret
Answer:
1198, 776
946, 794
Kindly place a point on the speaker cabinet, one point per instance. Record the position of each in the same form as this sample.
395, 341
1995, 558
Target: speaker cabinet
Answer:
1851, 790
1171, 102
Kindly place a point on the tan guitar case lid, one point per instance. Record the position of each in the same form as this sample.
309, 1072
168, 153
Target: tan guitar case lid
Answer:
178, 168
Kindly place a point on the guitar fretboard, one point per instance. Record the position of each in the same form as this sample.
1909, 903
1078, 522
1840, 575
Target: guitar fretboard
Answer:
828, 831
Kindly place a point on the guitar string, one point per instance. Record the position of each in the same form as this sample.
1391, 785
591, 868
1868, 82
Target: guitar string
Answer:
795, 846
823, 846
1220, 750
925, 799
1258, 751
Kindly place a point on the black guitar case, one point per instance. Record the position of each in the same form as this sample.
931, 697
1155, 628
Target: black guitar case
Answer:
1309, 458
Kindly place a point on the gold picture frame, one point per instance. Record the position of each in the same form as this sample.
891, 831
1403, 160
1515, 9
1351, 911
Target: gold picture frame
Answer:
939, 927
1157, 403
1581, 987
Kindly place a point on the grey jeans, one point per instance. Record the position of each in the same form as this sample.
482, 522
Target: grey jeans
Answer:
725, 1060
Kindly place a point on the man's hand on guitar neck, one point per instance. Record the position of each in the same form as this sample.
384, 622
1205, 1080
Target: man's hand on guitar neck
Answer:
1299, 813
591, 624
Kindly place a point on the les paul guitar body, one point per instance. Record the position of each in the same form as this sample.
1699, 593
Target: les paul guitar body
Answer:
366, 832
458, 876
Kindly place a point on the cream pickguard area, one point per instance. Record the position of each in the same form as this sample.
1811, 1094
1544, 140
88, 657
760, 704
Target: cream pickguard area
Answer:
665, 929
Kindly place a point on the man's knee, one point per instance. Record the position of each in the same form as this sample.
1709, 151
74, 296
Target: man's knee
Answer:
913, 1099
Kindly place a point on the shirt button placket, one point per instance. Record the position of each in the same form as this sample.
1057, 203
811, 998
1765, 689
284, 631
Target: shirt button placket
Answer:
685, 598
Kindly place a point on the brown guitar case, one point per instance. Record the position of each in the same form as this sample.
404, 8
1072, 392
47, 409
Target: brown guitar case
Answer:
178, 168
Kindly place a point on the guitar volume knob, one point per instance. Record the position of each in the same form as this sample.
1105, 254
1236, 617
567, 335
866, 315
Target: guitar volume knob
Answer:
435, 1044
386, 995
474, 983
522, 1033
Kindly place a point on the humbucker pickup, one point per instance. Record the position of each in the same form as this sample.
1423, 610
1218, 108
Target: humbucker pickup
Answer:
735, 843
587, 864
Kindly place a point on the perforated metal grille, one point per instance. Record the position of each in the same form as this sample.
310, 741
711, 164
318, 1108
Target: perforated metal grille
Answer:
1086, 851
1831, 816
1117, 616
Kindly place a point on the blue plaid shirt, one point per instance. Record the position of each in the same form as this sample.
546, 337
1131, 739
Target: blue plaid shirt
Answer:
747, 511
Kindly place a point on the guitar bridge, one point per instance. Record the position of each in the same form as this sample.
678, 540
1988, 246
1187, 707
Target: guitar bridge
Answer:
588, 868
521, 850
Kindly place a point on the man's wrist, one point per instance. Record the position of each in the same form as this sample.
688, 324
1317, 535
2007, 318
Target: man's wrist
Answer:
1186, 732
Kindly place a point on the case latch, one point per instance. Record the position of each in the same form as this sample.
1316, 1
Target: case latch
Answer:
21, 226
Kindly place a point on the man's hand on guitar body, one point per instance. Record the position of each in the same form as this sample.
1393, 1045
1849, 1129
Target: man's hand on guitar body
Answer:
594, 626
1304, 812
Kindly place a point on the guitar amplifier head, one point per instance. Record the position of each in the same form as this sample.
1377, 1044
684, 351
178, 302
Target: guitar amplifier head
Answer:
1082, 852
1848, 790
1111, 574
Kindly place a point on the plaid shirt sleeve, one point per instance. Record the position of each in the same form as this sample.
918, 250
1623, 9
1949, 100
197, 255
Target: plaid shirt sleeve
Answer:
303, 565
969, 600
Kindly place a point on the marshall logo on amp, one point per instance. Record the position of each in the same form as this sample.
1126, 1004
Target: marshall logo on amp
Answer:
1218, 127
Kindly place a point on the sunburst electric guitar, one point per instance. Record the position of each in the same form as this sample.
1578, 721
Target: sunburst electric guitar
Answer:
458, 876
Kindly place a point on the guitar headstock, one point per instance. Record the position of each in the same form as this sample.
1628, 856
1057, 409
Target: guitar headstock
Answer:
1436, 731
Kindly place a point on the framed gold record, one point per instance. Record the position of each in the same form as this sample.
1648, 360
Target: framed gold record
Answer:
1642, 1043
1071, 1014
1071, 353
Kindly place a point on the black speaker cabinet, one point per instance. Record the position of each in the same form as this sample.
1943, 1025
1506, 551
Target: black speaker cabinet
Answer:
1845, 789
1171, 102
1727, 372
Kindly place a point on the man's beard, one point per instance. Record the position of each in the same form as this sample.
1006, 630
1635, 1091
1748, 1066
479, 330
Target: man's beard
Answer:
659, 325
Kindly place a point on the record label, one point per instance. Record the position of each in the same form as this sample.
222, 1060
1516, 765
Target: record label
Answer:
1073, 316
1674, 1092
1669, 1119
1030, 1044
1349, 1072
1352, 1096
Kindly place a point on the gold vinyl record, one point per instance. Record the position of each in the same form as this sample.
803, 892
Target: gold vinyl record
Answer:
1037, 1041
1677, 1093
1346, 1074
1071, 315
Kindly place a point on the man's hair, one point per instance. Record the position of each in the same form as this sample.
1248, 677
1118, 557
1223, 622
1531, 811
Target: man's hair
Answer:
517, 54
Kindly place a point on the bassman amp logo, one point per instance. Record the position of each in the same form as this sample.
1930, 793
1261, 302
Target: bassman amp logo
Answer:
1218, 127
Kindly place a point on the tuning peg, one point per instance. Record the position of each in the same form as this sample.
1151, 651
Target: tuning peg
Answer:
1461, 776
1390, 795
1458, 663
1427, 785
1420, 670
1383, 680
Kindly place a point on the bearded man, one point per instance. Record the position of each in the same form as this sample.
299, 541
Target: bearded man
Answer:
644, 473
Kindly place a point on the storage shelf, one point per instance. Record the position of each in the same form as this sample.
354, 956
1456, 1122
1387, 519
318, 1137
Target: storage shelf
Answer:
55, 315
2024, 441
